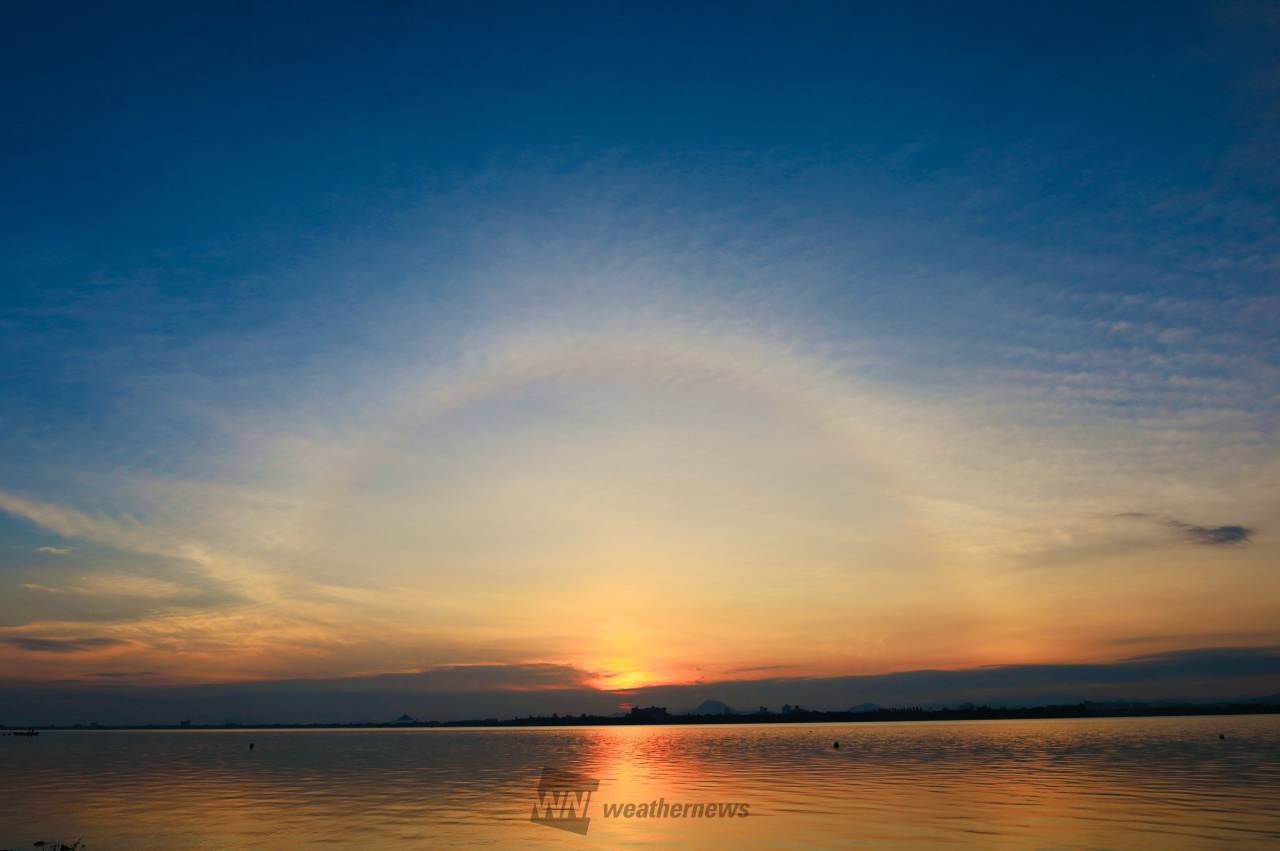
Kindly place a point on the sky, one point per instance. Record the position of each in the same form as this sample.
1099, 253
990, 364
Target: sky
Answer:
574, 354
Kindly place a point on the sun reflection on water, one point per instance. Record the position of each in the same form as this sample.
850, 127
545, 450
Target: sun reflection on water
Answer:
1075, 783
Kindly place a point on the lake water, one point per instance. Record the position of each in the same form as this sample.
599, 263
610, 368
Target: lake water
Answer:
1087, 783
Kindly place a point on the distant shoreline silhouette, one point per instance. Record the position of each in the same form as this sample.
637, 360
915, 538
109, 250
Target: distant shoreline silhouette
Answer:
656, 715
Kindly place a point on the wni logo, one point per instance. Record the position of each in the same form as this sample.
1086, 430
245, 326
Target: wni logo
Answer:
563, 800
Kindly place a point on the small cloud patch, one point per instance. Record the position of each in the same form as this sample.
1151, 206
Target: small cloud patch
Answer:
1192, 533
1213, 536
63, 645
54, 551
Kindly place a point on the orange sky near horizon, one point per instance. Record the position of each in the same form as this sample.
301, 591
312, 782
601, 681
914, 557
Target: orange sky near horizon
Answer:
619, 526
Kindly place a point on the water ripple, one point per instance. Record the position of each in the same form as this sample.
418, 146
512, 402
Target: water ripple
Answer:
1084, 783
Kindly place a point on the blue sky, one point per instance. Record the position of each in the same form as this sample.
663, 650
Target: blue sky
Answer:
314, 315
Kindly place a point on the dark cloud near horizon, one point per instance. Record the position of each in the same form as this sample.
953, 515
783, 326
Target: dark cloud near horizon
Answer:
508, 691
755, 669
1235, 638
1192, 533
479, 678
62, 645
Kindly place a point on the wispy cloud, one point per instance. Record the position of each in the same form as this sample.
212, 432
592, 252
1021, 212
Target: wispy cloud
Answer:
758, 669
112, 584
1192, 533
54, 551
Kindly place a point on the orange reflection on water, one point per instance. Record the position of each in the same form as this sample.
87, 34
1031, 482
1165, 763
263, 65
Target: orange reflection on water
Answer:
1077, 783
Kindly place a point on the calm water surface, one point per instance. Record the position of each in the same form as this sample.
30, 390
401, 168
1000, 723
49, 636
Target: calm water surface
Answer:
1090, 783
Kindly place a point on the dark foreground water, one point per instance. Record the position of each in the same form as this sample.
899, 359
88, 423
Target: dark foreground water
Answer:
1105, 783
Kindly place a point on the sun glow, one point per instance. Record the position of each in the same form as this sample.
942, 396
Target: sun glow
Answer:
623, 680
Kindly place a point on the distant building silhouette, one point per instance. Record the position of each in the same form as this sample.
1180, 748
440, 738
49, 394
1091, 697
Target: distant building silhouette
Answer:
648, 714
